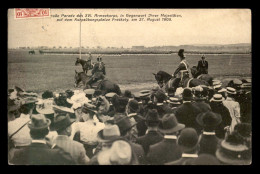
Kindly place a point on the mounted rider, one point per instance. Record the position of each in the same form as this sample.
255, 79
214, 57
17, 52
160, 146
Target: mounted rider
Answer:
98, 72
182, 70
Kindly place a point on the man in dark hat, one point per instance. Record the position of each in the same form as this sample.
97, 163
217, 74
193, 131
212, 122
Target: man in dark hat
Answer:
187, 112
39, 153
182, 70
202, 67
119, 104
161, 106
208, 140
47, 94
199, 100
62, 125
166, 150
152, 136
188, 142
216, 104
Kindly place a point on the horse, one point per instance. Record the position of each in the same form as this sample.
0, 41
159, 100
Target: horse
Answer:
198, 75
163, 78
32, 52
104, 85
86, 65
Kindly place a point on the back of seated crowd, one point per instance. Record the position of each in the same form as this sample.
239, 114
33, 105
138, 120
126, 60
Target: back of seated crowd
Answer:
149, 127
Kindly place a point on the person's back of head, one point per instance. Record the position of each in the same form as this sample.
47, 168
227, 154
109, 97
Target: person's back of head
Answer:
188, 140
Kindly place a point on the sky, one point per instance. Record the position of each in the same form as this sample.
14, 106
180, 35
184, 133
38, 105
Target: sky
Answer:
195, 26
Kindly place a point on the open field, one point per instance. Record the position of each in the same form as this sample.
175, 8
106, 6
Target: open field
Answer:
56, 72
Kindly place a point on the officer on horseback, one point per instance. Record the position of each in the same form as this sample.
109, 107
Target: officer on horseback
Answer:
98, 72
182, 70
202, 67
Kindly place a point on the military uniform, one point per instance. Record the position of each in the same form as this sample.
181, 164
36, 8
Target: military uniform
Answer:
202, 67
183, 69
98, 71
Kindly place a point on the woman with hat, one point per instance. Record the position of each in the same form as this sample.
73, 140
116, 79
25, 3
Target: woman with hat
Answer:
88, 129
167, 149
233, 107
208, 140
233, 151
216, 104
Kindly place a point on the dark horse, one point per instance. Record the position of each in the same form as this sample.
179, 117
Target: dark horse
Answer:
86, 65
198, 75
163, 78
105, 86
32, 52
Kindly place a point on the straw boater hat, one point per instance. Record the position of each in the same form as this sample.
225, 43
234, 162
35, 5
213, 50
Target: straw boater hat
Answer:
233, 151
45, 106
170, 124
231, 90
39, 122
120, 153
146, 91
174, 100
217, 98
109, 133
110, 95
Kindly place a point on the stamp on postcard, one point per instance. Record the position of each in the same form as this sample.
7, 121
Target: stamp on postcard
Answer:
31, 12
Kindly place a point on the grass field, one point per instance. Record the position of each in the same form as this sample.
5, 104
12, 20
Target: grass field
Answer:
56, 72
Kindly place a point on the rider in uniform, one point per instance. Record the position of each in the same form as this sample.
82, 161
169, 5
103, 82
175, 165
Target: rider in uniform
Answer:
98, 71
202, 67
182, 70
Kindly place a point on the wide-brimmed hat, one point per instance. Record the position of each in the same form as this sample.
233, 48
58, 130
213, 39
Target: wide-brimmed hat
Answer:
62, 121
109, 133
187, 94
39, 122
119, 153
145, 91
87, 107
78, 100
233, 151
188, 139
209, 119
231, 90
170, 124
45, 107
62, 109
124, 123
217, 98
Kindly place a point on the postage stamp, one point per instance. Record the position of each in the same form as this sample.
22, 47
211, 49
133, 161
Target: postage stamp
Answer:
31, 12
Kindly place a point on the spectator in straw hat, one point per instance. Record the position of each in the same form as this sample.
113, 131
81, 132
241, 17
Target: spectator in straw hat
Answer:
39, 152
233, 107
233, 151
208, 140
152, 135
126, 130
87, 130
216, 104
187, 112
75, 149
166, 150
120, 153
188, 142
174, 102
199, 101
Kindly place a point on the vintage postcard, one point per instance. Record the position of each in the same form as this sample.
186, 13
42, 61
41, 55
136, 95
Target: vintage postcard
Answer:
82, 64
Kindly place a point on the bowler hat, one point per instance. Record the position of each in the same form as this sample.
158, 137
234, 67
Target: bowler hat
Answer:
124, 123
69, 93
120, 153
39, 122
119, 102
187, 94
209, 119
152, 116
109, 133
217, 98
47, 94
61, 122
160, 95
188, 139
233, 151
170, 124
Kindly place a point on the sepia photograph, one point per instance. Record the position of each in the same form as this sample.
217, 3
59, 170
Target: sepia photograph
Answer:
118, 86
